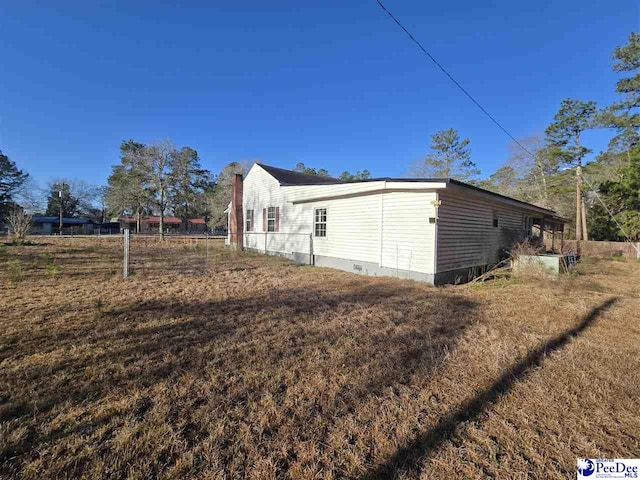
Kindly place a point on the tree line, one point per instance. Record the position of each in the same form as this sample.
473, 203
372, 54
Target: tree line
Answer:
149, 179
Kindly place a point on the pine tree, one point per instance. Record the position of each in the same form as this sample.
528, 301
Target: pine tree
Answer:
188, 182
450, 157
573, 118
12, 180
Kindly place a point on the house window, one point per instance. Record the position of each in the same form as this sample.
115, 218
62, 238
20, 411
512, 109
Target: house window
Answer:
271, 219
495, 220
320, 222
249, 221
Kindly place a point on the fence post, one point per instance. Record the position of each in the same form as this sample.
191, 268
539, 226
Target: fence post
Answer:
638, 250
265, 242
206, 243
311, 249
125, 270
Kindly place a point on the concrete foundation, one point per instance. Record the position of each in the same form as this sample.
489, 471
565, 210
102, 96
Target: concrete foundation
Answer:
369, 268
295, 256
461, 275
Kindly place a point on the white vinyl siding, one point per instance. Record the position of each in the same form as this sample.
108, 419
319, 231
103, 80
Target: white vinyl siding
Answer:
407, 240
352, 226
352, 223
390, 224
407, 236
261, 191
466, 233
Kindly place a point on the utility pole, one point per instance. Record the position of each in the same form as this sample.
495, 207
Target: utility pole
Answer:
581, 214
127, 241
579, 200
60, 193
585, 234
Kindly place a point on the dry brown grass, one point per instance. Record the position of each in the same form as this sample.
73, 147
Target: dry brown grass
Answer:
258, 368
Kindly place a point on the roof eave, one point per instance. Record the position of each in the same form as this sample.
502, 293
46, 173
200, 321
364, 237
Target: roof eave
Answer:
386, 187
456, 185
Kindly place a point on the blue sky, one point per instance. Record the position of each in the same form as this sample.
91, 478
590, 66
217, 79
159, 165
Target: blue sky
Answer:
331, 84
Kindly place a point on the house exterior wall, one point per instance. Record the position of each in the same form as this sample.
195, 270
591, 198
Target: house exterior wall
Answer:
408, 239
48, 228
376, 233
260, 191
439, 233
352, 228
466, 235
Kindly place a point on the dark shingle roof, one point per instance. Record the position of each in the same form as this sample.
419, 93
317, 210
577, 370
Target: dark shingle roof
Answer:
289, 177
65, 220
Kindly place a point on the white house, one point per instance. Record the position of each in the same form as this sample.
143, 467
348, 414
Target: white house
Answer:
433, 230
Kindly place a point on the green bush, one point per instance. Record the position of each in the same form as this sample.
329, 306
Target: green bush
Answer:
15, 271
50, 264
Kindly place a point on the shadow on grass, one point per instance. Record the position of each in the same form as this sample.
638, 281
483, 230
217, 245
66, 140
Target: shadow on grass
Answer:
408, 458
381, 334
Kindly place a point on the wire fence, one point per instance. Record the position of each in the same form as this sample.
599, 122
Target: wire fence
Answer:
142, 255
108, 256
148, 255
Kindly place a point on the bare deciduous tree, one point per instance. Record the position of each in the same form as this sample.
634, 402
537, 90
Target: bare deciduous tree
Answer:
32, 197
534, 172
19, 223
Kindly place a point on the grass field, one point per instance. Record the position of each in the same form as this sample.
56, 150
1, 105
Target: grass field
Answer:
253, 367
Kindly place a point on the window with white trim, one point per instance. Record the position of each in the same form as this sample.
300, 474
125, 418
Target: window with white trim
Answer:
271, 219
320, 222
249, 221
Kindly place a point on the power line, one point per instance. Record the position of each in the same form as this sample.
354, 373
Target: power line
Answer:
424, 50
484, 110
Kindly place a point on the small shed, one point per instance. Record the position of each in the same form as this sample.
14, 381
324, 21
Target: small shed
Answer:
70, 225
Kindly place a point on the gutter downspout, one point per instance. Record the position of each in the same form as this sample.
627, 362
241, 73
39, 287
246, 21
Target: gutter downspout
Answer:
435, 236
384, 187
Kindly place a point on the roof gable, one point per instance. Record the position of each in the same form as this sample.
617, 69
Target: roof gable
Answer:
289, 177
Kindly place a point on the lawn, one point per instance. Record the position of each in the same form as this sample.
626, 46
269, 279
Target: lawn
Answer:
244, 366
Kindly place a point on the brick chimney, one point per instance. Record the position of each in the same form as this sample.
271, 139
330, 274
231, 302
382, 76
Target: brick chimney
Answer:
235, 221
